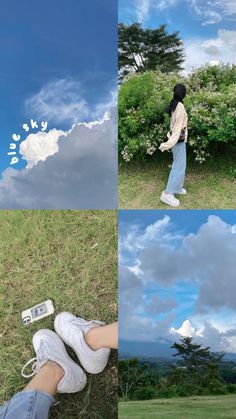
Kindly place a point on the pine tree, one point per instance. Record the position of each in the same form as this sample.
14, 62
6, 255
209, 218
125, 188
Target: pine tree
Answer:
200, 365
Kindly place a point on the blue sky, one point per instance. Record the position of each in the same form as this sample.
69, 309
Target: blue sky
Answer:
46, 43
207, 28
177, 276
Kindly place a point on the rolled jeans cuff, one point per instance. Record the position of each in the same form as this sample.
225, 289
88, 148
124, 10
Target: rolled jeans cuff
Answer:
28, 404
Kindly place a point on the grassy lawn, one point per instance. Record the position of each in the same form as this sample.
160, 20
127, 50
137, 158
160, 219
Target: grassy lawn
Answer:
207, 407
70, 257
210, 186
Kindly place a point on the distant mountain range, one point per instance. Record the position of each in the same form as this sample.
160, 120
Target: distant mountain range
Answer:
153, 350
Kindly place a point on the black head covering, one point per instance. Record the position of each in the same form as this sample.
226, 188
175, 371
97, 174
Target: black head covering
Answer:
179, 94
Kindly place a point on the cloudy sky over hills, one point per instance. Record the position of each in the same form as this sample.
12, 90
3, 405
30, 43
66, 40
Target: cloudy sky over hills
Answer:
206, 27
177, 276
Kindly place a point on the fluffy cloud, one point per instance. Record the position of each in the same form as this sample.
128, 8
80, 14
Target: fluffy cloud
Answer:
133, 239
186, 329
151, 285
219, 49
206, 258
37, 147
208, 335
82, 174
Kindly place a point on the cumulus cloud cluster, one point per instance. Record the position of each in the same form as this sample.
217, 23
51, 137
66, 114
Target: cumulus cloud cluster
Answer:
161, 259
221, 48
75, 169
37, 147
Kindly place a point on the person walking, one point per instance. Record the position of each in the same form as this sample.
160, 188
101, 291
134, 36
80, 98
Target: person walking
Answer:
177, 139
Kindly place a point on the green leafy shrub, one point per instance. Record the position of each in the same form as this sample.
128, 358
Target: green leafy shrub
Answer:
231, 388
217, 387
145, 393
210, 103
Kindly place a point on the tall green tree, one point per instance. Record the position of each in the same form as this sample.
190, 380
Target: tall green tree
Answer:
200, 365
149, 49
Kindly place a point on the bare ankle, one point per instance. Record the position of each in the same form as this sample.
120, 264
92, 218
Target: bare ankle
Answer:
54, 369
91, 339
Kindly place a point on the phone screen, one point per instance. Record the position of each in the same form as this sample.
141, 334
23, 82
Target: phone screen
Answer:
38, 311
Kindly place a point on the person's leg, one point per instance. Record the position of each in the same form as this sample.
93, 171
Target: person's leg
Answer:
47, 378
27, 404
177, 173
36, 399
103, 337
55, 372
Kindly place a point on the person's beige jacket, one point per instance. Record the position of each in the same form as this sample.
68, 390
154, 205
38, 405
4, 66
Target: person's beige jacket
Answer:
179, 120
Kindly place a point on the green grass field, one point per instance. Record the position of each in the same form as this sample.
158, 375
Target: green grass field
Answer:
209, 186
207, 407
71, 257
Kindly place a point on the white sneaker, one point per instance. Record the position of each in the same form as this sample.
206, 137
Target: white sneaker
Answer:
169, 199
72, 331
49, 347
183, 192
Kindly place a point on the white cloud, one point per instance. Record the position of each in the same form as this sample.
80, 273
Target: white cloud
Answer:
37, 147
186, 329
59, 101
222, 48
142, 9
212, 12
82, 174
159, 231
204, 260
208, 334
62, 101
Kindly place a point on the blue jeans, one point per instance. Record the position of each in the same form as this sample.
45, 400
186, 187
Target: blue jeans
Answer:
27, 405
177, 174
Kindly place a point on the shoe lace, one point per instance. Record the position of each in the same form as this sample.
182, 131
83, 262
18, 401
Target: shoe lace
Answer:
34, 363
84, 324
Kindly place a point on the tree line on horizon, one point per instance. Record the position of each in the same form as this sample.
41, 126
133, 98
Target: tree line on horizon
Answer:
198, 371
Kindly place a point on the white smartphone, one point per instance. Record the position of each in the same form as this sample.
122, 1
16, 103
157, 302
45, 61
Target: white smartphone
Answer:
37, 312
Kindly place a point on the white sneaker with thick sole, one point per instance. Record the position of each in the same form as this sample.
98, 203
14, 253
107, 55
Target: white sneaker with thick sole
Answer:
49, 347
169, 199
72, 331
183, 192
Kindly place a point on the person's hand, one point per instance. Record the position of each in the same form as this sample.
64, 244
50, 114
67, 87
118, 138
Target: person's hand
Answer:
162, 147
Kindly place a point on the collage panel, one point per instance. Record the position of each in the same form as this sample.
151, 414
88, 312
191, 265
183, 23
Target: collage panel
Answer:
177, 314
177, 121
58, 308
117, 209
58, 119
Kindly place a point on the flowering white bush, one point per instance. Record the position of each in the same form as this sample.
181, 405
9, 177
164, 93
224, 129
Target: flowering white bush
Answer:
210, 103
